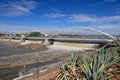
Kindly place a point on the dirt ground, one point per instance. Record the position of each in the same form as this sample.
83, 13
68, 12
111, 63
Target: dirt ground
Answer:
10, 43
49, 74
36, 47
52, 73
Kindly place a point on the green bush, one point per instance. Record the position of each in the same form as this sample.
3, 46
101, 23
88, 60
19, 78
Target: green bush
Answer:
70, 69
96, 68
83, 67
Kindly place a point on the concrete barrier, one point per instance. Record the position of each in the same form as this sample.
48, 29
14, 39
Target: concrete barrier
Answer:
23, 76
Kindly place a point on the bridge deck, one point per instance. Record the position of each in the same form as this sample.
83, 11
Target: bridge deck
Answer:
76, 40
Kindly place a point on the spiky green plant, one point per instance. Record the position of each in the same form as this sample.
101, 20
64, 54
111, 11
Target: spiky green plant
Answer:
114, 69
81, 66
96, 68
70, 69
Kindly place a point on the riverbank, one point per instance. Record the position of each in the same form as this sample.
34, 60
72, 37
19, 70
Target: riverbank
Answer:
10, 48
19, 59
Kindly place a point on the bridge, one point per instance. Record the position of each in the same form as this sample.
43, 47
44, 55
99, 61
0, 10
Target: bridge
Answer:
74, 32
96, 41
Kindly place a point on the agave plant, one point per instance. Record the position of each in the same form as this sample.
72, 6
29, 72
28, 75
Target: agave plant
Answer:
114, 69
81, 66
96, 68
70, 69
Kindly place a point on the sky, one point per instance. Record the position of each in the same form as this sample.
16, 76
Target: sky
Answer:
57, 15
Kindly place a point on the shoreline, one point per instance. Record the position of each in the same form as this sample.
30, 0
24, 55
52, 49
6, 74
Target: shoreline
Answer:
44, 57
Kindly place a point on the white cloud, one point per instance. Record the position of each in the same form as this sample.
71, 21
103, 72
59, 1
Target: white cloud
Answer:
17, 7
81, 18
15, 29
55, 15
87, 18
18, 29
109, 19
111, 29
109, 1
54, 22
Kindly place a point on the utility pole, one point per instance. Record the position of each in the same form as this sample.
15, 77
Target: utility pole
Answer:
37, 57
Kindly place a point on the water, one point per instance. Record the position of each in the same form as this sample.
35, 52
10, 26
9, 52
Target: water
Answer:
7, 50
9, 73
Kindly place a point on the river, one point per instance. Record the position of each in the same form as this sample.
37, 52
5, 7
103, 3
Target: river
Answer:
45, 58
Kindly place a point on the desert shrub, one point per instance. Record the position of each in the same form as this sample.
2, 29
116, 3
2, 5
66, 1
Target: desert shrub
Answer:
96, 68
83, 67
70, 69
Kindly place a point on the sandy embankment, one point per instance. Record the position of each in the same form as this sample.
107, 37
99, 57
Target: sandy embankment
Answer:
32, 46
51, 54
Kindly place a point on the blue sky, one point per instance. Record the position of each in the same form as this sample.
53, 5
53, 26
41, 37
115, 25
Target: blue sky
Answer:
51, 15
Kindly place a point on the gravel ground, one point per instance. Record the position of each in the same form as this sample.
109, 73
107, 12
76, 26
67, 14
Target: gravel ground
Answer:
20, 57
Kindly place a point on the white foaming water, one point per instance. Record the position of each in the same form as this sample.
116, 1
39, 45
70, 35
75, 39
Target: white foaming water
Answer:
61, 47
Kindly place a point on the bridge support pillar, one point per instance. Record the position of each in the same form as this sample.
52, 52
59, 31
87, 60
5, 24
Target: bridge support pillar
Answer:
47, 42
9, 38
22, 38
